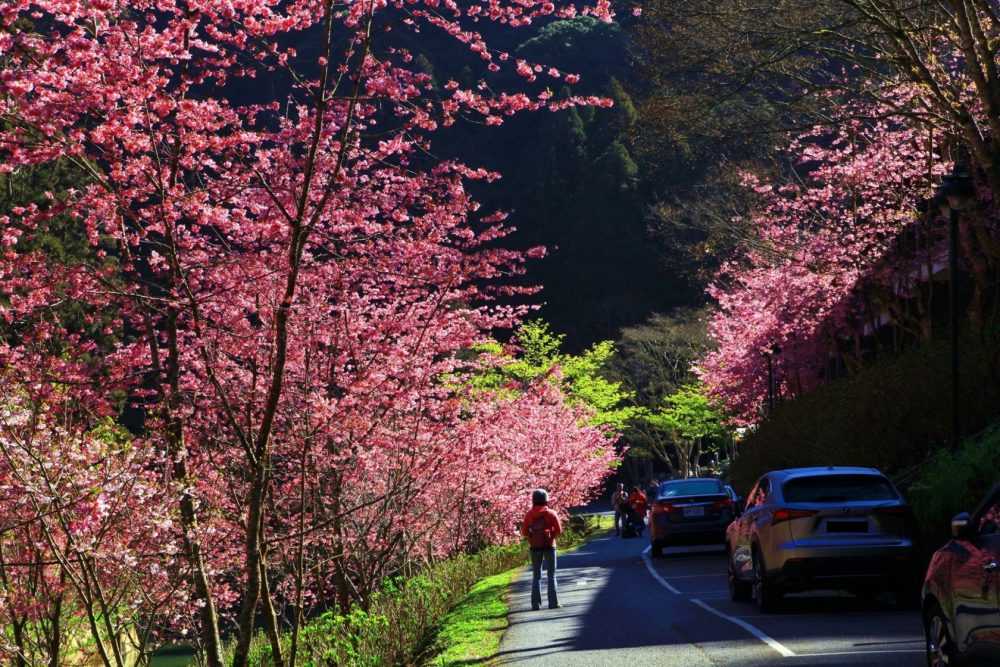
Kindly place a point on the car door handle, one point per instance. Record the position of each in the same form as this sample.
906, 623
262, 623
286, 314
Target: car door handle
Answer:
992, 565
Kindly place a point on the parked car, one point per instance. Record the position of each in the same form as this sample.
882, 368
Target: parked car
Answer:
737, 499
695, 510
821, 528
961, 607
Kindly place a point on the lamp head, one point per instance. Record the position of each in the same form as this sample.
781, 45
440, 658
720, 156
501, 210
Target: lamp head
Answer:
956, 191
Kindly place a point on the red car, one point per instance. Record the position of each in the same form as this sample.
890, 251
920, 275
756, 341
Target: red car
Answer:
961, 593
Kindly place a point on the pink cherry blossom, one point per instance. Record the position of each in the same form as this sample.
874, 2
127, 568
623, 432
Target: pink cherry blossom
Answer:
288, 303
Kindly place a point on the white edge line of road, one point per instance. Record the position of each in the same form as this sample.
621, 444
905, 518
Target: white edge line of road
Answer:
894, 650
656, 575
756, 632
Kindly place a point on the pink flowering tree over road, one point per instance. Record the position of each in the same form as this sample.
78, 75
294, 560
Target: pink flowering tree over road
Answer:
279, 287
840, 252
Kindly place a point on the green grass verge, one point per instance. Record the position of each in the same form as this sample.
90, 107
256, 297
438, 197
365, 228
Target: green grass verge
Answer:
471, 633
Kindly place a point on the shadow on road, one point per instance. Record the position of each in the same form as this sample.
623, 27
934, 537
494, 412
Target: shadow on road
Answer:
613, 603
615, 610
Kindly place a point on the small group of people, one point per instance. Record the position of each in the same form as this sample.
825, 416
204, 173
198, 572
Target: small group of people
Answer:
630, 508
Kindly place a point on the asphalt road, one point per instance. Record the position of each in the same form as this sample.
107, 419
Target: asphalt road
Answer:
622, 608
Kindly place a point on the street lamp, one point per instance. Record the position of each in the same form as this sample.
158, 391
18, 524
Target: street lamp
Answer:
771, 388
954, 194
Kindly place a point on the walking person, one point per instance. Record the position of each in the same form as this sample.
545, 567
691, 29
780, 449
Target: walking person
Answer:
637, 501
619, 500
541, 526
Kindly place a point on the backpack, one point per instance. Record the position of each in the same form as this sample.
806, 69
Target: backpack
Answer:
539, 533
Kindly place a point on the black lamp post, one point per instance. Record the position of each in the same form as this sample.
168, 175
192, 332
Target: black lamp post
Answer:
954, 194
771, 387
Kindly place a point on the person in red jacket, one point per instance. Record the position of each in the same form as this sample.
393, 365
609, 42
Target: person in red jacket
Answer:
638, 502
541, 526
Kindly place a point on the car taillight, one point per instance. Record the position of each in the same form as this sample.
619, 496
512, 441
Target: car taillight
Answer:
896, 510
662, 507
719, 505
784, 514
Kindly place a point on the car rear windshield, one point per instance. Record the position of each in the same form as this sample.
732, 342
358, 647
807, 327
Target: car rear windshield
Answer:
692, 487
837, 489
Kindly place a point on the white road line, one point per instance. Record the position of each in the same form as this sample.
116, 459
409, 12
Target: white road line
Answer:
652, 571
894, 650
755, 631
783, 650
835, 616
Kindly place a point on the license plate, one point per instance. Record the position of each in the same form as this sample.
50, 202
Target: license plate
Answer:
694, 511
847, 526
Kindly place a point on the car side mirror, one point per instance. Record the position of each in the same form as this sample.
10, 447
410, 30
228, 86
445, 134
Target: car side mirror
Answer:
960, 528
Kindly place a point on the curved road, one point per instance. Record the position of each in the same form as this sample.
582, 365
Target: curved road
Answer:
622, 608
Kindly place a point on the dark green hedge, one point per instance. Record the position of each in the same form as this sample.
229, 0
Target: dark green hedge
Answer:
952, 483
891, 415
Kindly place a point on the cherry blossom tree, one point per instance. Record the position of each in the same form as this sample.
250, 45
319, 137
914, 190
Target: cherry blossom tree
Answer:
842, 251
278, 286
91, 538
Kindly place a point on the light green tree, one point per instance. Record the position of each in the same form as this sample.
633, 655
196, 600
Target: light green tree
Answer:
581, 375
687, 416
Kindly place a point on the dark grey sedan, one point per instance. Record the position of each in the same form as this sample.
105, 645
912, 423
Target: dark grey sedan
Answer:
821, 528
690, 510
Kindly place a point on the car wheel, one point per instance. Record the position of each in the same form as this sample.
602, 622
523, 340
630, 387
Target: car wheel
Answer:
940, 646
739, 591
766, 593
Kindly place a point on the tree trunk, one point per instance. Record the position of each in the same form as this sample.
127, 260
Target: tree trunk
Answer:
55, 635
189, 515
696, 457
251, 590
270, 616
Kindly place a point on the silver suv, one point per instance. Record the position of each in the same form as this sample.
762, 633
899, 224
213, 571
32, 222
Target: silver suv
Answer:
821, 528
